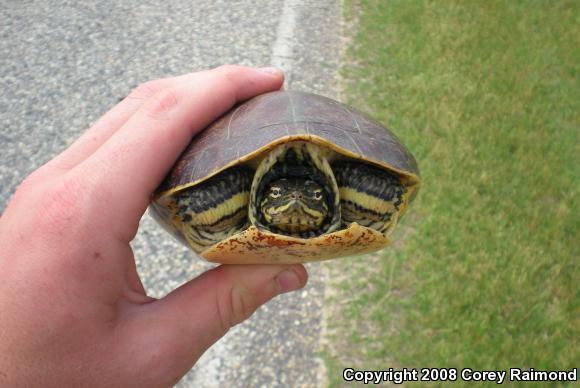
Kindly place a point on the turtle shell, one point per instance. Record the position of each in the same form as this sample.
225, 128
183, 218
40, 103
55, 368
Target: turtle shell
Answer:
250, 130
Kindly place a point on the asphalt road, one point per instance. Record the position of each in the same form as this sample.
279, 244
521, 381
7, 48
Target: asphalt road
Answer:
64, 63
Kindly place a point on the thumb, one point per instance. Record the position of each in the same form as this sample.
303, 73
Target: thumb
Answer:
181, 326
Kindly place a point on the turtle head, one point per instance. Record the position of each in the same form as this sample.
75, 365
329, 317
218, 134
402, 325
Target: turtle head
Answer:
294, 205
294, 192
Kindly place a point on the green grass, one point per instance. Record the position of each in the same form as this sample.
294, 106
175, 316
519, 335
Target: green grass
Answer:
485, 274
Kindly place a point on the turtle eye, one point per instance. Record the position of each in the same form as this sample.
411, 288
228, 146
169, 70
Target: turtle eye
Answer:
274, 192
318, 195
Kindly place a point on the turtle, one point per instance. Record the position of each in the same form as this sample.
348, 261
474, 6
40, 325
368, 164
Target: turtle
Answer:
287, 177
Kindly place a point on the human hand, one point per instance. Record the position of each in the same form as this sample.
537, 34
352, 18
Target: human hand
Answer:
73, 311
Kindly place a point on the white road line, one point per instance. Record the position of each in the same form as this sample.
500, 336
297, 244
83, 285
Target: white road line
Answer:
282, 51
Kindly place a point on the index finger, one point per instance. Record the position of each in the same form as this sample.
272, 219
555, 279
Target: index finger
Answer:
132, 163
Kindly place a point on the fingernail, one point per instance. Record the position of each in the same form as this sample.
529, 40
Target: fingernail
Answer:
288, 281
271, 70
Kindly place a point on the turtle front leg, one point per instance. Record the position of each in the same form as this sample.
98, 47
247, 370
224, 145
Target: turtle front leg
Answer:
369, 196
215, 209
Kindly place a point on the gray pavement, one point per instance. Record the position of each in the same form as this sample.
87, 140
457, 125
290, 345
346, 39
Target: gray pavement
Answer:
64, 63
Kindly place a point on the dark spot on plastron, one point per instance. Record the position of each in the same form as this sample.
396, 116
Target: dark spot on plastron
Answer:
359, 238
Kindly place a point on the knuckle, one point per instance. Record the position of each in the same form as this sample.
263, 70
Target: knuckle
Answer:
163, 102
231, 79
235, 307
229, 70
61, 206
243, 303
231, 73
146, 90
26, 189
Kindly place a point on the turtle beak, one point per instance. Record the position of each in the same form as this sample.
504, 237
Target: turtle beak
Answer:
295, 204
294, 200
